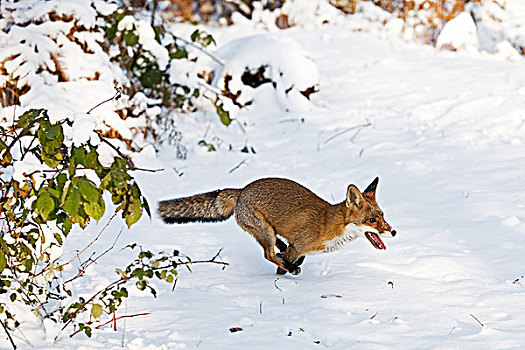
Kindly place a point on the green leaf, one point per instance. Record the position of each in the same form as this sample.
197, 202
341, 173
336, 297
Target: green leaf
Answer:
223, 115
51, 160
96, 310
3, 261
28, 117
179, 53
72, 202
141, 285
95, 209
54, 133
61, 180
44, 205
91, 160
134, 212
58, 238
207, 40
151, 77
66, 226
145, 205
88, 190
130, 38
50, 138
138, 272
195, 35
3, 245
6, 157
78, 155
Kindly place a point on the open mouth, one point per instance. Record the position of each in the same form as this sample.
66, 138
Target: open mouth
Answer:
375, 240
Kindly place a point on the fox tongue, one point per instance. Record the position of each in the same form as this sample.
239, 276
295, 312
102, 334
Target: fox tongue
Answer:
375, 240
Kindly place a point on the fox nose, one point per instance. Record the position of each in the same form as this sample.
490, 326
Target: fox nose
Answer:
393, 233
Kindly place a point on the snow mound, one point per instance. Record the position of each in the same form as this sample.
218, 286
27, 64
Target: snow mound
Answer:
459, 34
253, 62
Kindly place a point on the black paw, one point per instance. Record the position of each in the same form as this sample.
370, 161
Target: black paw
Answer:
299, 261
295, 271
292, 268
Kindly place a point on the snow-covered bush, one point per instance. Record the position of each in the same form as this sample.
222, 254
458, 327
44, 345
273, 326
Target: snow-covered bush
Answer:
62, 145
68, 56
47, 185
253, 61
459, 34
421, 21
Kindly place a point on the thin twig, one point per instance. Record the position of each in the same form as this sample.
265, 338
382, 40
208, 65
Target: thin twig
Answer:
93, 241
474, 317
8, 335
275, 284
216, 255
203, 262
120, 317
73, 316
115, 97
347, 130
192, 44
83, 250
103, 139
124, 327
89, 168
211, 88
236, 167
91, 261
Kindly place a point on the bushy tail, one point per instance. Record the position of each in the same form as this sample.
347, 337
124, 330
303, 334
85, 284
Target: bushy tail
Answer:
206, 207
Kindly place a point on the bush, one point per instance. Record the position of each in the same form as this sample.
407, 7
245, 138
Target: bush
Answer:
48, 185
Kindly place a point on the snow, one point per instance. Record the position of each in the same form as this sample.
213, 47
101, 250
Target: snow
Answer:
460, 33
450, 185
285, 64
444, 132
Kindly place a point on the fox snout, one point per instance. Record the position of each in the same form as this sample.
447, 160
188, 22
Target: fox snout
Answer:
391, 233
385, 229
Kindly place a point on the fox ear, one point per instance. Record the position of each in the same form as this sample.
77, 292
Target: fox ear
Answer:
353, 196
370, 191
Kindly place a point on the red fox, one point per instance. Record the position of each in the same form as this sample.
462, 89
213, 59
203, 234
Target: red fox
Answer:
272, 208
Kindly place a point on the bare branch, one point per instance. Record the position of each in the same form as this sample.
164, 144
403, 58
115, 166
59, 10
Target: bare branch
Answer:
8, 335
474, 317
115, 97
120, 317
361, 126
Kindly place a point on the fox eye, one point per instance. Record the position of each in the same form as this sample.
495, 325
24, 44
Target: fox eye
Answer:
372, 220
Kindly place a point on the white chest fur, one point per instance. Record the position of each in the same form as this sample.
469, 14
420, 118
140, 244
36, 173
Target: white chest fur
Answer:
351, 232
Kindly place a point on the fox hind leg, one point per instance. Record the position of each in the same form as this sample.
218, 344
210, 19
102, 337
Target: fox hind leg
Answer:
282, 248
292, 259
265, 236
280, 245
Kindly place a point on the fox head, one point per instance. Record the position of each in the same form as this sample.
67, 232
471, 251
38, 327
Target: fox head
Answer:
364, 217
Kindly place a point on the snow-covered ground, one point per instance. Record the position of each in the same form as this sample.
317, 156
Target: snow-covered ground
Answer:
445, 132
